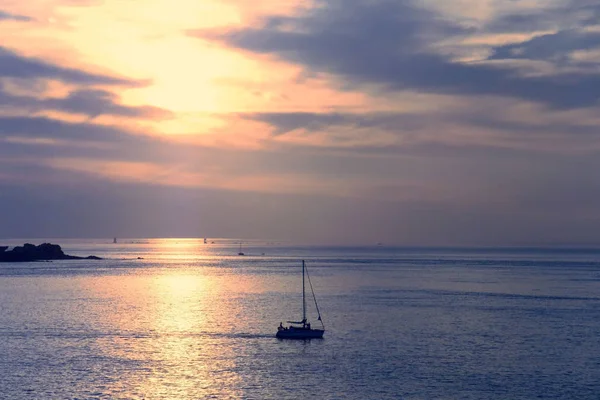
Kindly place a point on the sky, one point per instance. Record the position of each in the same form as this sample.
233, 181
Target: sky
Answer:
454, 123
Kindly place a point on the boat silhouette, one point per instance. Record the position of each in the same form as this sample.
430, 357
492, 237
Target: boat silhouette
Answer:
302, 329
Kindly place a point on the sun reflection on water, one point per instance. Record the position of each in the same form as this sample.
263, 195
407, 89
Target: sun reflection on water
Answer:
170, 324
180, 299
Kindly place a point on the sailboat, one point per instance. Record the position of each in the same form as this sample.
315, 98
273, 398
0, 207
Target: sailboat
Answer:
302, 329
240, 253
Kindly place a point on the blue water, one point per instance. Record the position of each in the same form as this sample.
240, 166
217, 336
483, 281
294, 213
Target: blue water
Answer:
191, 321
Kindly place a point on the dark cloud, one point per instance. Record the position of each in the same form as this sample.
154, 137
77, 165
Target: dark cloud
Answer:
575, 13
90, 102
522, 22
314, 122
41, 138
14, 17
405, 123
41, 127
390, 43
13, 65
567, 21
554, 47
101, 102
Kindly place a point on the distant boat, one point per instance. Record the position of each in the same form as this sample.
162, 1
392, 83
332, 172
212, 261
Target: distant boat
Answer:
240, 253
302, 329
204, 240
114, 240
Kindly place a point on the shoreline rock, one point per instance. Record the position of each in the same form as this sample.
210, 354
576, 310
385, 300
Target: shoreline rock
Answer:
43, 252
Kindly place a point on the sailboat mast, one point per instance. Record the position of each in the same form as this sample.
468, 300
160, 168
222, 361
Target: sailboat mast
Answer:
303, 296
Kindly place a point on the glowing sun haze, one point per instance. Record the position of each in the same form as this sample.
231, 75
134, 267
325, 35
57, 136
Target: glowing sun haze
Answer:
463, 122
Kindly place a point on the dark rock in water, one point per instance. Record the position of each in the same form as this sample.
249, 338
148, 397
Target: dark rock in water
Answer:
43, 252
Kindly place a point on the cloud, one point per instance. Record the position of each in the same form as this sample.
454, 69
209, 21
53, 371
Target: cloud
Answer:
54, 129
446, 130
38, 140
556, 47
90, 102
564, 16
515, 23
13, 65
559, 30
120, 155
286, 122
365, 132
392, 44
8, 16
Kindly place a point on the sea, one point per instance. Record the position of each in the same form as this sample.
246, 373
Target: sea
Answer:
184, 319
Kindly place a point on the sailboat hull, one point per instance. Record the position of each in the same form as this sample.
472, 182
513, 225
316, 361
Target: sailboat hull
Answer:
300, 333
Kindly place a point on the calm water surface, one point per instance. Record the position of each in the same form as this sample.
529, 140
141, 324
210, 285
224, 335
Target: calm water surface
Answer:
193, 321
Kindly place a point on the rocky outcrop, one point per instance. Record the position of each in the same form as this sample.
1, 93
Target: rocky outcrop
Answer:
43, 252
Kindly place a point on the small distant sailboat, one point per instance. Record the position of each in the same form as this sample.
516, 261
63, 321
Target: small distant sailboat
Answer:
302, 329
240, 253
114, 240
